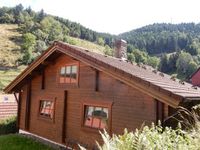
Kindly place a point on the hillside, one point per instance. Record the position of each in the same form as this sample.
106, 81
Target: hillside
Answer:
165, 38
11, 41
170, 48
11, 52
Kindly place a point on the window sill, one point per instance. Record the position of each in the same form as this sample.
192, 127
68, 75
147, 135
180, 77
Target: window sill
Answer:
90, 129
65, 85
46, 119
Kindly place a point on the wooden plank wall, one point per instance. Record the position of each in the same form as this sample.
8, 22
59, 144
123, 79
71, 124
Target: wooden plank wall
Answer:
130, 107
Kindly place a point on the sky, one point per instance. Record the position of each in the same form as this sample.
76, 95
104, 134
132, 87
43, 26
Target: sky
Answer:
116, 16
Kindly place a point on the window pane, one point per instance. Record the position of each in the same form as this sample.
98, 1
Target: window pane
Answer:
68, 70
68, 73
88, 116
96, 122
74, 69
62, 71
104, 119
90, 109
99, 112
74, 74
46, 108
105, 112
62, 75
96, 117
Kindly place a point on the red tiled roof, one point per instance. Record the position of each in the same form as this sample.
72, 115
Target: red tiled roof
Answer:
190, 77
8, 109
143, 76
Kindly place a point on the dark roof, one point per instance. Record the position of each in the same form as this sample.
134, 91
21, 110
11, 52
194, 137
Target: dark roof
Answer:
142, 77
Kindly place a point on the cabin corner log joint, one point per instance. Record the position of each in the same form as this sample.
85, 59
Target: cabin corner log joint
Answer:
69, 93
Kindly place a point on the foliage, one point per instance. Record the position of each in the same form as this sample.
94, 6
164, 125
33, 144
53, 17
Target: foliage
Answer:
29, 41
108, 50
40, 29
171, 64
165, 38
164, 63
164, 41
140, 57
53, 29
192, 67
153, 61
131, 57
183, 62
158, 137
8, 125
100, 41
19, 142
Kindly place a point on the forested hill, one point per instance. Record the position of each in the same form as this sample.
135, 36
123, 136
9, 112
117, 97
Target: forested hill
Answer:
165, 38
170, 48
176, 47
38, 30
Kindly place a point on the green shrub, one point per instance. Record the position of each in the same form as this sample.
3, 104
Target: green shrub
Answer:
8, 125
149, 138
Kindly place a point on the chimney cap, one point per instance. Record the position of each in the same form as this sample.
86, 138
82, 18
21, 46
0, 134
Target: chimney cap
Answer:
120, 49
123, 40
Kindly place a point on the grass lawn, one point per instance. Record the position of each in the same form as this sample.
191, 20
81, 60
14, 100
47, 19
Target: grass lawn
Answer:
6, 76
18, 142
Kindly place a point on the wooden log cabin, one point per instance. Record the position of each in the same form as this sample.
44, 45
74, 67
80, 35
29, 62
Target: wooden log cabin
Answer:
70, 93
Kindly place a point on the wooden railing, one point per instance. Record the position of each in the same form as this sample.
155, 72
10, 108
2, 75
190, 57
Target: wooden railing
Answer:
7, 109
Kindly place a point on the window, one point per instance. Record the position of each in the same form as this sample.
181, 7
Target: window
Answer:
96, 117
68, 74
47, 109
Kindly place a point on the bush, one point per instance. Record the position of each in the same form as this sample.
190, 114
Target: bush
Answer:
8, 125
149, 138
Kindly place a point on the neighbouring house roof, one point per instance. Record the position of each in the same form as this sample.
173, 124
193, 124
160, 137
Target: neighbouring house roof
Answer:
144, 78
190, 77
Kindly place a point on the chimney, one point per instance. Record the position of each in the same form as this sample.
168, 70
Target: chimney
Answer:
120, 49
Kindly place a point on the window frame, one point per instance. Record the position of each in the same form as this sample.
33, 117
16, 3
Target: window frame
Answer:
46, 117
103, 104
77, 64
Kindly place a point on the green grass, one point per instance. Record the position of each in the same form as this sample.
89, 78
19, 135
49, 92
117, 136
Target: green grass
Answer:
89, 45
10, 41
6, 76
19, 142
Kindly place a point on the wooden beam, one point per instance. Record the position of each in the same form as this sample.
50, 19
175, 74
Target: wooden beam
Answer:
17, 100
46, 63
96, 81
19, 110
43, 79
64, 117
159, 111
28, 105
